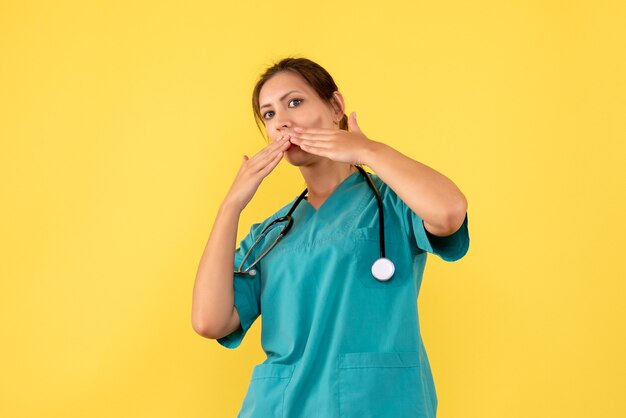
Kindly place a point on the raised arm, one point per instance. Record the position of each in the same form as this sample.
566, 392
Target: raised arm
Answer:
213, 313
430, 194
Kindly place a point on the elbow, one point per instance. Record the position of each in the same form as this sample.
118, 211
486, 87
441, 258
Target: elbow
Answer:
456, 215
200, 329
205, 329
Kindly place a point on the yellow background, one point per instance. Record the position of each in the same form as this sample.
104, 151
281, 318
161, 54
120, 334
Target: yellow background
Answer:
123, 123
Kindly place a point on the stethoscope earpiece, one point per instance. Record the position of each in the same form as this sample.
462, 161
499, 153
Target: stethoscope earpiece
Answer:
383, 269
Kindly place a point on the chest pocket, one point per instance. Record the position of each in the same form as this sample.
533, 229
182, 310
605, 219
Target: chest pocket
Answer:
367, 250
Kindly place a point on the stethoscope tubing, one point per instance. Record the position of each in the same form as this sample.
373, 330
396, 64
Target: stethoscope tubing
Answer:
382, 269
381, 217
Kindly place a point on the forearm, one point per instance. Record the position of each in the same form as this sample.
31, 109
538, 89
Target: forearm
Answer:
213, 293
430, 194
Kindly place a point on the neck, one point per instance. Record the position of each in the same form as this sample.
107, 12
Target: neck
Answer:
323, 177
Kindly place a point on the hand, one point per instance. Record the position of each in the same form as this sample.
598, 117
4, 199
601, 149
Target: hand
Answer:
253, 170
338, 145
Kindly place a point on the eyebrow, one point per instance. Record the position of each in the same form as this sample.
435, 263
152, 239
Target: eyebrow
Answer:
281, 98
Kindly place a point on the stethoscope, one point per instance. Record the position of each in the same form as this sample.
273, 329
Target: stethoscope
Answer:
382, 269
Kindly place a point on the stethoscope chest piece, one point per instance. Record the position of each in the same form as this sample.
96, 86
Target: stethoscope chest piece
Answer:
383, 269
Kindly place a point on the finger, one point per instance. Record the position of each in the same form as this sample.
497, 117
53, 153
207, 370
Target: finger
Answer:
272, 165
312, 143
322, 152
315, 136
261, 162
319, 131
269, 150
352, 123
274, 145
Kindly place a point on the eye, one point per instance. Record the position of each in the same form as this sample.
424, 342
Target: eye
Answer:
268, 115
294, 102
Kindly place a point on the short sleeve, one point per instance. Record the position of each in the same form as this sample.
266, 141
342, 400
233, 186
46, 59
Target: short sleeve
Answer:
247, 294
449, 248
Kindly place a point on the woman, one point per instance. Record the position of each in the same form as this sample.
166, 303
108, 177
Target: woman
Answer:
339, 341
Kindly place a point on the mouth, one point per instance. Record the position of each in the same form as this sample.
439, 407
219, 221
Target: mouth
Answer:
292, 146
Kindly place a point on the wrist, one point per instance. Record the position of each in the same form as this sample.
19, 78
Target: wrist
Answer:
370, 153
231, 206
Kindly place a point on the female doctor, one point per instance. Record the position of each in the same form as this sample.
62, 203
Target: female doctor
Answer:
336, 272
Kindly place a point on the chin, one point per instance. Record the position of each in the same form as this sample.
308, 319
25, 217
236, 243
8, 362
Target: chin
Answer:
299, 158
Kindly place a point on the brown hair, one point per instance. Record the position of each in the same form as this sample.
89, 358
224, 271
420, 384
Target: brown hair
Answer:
315, 76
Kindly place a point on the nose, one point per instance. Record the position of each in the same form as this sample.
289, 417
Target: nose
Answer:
283, 122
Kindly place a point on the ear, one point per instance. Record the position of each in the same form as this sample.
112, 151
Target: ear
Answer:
338, 106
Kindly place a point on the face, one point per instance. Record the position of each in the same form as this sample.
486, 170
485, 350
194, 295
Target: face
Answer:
287, 101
